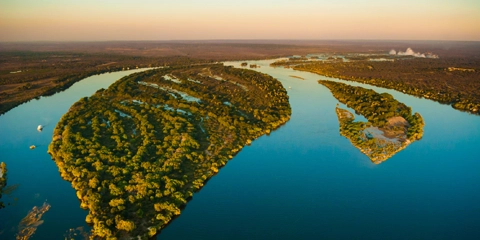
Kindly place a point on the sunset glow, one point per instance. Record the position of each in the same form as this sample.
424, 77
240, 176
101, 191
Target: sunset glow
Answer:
28, 20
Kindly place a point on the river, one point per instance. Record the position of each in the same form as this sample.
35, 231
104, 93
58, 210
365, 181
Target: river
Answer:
34, 171
303, 181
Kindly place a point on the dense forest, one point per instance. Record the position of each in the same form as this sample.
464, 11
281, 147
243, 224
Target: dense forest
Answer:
3, 181
454, 81
390, 127
27, 75
137, 151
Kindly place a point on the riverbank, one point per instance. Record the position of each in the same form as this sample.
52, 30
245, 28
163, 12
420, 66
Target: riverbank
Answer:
154, 141
32, 175
424, 78
3, 181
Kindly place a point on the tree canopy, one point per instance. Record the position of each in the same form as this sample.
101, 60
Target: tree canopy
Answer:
137, 151
390, 127
3, 181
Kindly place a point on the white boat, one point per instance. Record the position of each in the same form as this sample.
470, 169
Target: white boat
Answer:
40, 128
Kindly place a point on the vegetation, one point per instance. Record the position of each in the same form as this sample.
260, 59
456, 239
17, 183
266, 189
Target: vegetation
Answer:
27, 75
287, 63
136, 152
390, 127
3, 181
32, 69
29, 70
436, 79
29, 224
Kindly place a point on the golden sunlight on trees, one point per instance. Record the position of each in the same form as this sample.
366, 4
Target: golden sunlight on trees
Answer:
137, 151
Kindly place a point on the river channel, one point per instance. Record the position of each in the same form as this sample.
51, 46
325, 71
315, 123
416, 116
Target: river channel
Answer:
303, 181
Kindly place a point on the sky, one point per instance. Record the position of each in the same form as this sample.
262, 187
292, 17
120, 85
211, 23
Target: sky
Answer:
103, 20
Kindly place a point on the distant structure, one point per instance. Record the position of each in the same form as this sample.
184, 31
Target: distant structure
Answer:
393, 52
40, 128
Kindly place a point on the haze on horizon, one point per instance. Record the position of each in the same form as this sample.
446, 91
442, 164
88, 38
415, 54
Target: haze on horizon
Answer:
90, 20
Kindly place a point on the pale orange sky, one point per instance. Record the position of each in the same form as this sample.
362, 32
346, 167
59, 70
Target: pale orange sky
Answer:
89, 20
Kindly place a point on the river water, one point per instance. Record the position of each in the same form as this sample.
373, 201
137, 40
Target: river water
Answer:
303, 181
34, 171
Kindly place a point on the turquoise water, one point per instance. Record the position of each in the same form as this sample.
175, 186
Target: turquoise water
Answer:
34, 171
303, 181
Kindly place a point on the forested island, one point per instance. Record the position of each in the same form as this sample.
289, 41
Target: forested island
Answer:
289, 62
137, 151
453, 81
390, 128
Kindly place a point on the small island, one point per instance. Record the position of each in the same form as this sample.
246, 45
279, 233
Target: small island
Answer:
391, 126
290, 62
298, 77
136, 152
450, 80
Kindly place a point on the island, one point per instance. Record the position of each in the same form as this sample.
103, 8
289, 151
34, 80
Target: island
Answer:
136, 152
287, 63
391, 126
30, 70
297, 77
449, 80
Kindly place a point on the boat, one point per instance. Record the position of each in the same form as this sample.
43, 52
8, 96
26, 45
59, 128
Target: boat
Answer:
40, 128
32, 147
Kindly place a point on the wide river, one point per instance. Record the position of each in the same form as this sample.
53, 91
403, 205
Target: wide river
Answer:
303, 181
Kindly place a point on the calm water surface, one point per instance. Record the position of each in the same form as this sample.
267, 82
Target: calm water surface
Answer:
304, 181
34, 171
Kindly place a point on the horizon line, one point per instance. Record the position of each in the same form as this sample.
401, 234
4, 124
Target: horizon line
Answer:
243, 40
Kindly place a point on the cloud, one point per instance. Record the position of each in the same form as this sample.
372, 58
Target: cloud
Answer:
410, 52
